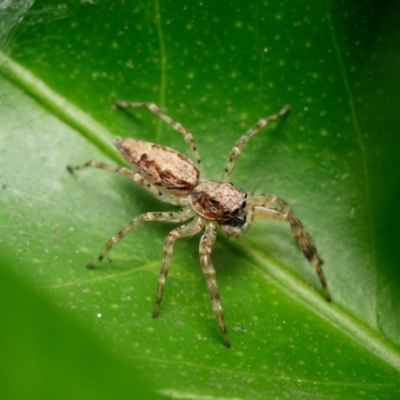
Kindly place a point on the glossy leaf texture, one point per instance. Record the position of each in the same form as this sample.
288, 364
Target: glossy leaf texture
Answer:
217, 68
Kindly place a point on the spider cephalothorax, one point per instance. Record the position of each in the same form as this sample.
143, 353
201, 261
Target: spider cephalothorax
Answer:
221, 202
173, 178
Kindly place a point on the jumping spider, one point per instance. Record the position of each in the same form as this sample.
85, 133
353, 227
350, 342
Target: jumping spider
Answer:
173, 178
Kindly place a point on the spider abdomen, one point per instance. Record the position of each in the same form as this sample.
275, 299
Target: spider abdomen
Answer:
160, 165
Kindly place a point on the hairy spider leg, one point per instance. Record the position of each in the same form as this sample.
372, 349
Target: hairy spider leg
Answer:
237, 148
156, 192
271, 207
180, 232
187, 135
206, 244
151, 216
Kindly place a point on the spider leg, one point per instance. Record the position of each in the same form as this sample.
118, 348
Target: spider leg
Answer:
237, 148
206, 244
165, 197
180, 232
151, 216
187, 135
272, 207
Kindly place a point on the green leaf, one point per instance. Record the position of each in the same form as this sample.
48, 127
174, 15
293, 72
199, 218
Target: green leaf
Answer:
46, 354
217, 69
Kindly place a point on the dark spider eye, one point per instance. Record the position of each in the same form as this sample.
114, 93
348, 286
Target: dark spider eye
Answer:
214, 200
244, 204
226, 212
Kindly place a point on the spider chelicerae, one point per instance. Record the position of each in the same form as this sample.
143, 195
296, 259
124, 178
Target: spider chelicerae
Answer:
173, 178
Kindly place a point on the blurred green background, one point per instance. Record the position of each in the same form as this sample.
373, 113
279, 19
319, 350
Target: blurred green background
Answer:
217, 68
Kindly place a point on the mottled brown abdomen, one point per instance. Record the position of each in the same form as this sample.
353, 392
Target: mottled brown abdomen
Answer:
160, 165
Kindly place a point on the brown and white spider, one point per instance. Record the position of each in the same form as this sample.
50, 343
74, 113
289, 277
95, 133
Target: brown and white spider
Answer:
173, 178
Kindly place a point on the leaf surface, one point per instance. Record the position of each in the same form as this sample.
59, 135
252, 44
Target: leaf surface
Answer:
217, 69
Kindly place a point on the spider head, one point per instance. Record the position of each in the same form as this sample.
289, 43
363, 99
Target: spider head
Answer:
221, 202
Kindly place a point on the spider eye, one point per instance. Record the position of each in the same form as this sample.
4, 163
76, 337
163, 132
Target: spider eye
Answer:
226, 212
244, 204
214, 200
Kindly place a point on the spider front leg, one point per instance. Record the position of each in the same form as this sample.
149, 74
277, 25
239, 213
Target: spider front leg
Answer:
187, 135
151, 216
272, 207
237, 148
206, 244
180, 232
